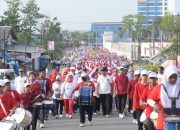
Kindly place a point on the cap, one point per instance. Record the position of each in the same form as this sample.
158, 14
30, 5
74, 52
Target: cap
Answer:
83, 74
144, 72
153, 75
1, 83
72, 68
137, 72
26, 84
6, 81
20, 70
58, 77
121, 68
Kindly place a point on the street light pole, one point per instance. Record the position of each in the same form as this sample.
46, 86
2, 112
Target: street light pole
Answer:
4, 46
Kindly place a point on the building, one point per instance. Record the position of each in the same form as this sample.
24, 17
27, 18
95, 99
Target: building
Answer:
152, 9
100, 28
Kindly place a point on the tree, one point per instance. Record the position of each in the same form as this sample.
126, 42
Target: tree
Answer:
12, 15
51, 31
133, 25
31, 16
167, 26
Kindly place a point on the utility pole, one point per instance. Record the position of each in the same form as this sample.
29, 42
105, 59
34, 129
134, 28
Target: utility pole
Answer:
4, 46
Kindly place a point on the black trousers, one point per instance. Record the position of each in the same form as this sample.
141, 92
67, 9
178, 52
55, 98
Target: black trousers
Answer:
58, 104
96, 104
138, 115
149, 125
122, 102
130, 108
83, 110
110, 103
105, 101
35, 117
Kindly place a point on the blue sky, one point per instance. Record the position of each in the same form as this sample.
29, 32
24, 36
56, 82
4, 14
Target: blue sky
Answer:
78, 14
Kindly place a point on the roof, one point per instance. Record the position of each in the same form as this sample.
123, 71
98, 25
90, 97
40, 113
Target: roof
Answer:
106, 23
8, 30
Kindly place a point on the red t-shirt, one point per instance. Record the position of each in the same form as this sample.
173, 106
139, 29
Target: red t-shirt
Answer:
121, 84
8, 102
139, 88
90, 83
16, 96
146, 92
35, 89
131, 87
26, 100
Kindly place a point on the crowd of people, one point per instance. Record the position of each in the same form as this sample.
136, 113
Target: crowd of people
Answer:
102, 81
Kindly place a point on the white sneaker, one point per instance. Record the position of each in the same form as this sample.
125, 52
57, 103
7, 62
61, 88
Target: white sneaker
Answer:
67, 115
89, 123
82, 125
56, 116
70, 116
95, 113
61, 115
86, 115
121, 116
107, 116
134, 121
42, 125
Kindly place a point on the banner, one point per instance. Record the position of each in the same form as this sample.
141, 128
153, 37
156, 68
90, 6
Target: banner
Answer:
51, 45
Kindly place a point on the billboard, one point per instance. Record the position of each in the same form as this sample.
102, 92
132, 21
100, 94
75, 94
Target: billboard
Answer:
51, 45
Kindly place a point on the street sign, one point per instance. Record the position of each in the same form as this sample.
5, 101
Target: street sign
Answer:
51, 45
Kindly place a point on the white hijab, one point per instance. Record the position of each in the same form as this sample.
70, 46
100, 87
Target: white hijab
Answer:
172, 90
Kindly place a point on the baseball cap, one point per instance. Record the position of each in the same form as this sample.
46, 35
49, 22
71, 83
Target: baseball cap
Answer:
58, 77
72, 68
144, 72
26, 84
152, 75
6, 81
137, 72
83, 74
121, 67
1, 83
20, 70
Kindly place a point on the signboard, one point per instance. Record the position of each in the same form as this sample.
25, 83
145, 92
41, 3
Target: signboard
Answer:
141, 1
51, 45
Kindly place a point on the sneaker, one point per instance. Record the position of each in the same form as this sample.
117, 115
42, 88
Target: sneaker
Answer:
42, 125
70, 116
121, 116
86, 115
134, 121
82, 125
89, 123
95, 113
60, 115
67, 115
107, 116
56, 116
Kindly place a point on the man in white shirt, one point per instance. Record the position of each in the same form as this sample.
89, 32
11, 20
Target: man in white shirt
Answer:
19, 81
104, 90
160, 74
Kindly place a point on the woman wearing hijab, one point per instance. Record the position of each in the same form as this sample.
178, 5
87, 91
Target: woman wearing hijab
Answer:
66, 90
165, 98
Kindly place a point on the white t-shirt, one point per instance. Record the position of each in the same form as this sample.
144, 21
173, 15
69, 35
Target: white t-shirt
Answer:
57, 90
67, 89
159, 78
19, 84
104, 84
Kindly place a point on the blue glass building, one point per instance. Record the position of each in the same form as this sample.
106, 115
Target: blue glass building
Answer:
152, 9
100, 27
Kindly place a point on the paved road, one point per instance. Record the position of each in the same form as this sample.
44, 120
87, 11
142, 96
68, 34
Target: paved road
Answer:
98, 123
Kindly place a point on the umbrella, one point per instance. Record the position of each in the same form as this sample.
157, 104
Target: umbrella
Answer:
45, 57
169, 63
